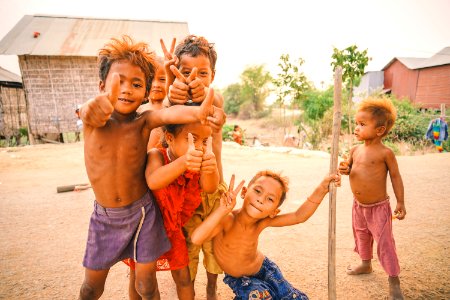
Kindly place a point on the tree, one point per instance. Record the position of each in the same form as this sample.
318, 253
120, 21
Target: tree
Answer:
353, 63
291, 84
255, 81
233, 98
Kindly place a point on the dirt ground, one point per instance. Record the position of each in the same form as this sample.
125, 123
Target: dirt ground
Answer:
44, 233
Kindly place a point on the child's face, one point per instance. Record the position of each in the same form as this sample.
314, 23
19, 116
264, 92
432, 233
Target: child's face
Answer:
178, 145
366, 126
262, 197
203, 65
158, 88
132, 86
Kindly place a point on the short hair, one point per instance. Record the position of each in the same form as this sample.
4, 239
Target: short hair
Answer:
194, 46
283, 180
382, 110
125, 49
174, 129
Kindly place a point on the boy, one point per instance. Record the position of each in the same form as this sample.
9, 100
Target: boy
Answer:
126, 222
235, 234
368, 166
191, 69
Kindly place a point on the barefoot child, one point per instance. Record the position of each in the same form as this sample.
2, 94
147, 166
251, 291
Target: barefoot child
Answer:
193, 71
235, 234
177, 173
368, 166
125, 223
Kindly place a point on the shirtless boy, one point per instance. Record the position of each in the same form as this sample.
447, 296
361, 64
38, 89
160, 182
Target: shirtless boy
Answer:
125, 223
235, 234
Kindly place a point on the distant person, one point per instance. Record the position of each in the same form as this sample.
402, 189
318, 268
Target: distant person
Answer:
237, 134
368, 167
235, 234
79, 124
126, 222
438, 132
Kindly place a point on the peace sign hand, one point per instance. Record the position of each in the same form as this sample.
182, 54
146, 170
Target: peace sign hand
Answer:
209, 163
228, 199
193, 156
169, 60
96, 112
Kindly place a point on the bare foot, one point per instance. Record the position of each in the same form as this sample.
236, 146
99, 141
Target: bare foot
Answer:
395, 293
364, 268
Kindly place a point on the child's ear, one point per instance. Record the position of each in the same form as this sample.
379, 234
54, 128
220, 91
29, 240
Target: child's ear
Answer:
101, 86
168, 137
275, 212
243, 192
381, 130
212, 76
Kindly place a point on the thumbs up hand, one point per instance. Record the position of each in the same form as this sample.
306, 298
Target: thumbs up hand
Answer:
97, 111
193, 156
209, 163
197, 89
178, 92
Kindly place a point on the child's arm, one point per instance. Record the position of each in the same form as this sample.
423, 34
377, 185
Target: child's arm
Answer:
397, 184
209, 174
97, 111
307, 209
213, 224
159, 176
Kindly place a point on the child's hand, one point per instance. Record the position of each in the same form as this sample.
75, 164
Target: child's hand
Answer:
329, 178
178, 92
228, 199
98, 110
400, 211
217, 118
209, 163
169, 60
193, 156
197, 88
207, 109
344, 166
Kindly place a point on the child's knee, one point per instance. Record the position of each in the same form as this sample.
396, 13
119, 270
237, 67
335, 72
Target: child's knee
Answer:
88, 291
147, 288
182, 277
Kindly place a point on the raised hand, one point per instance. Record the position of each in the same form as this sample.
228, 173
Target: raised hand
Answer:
196, 87
207, 109
96, 112
209, 163
178, 92
193, 156
216, 118
344, 166
169, 60
228, 199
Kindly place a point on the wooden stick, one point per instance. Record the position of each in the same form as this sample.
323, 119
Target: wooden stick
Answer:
72, 187
332, 188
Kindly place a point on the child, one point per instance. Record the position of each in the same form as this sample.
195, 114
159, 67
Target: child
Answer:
192, 72
237, 134
126, 222
235, 234
368, 166
156, 96
177, 174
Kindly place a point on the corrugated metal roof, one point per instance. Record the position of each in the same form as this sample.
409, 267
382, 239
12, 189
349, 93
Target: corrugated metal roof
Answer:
78, 36
7, 76
413, 63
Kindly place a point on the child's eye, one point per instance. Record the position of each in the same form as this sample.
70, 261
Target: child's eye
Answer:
163, 79
257, 191
205, 142
204, 74
270, 199
186, 74
137, 85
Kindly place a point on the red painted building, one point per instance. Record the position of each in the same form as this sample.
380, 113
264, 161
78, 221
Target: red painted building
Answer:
424, 81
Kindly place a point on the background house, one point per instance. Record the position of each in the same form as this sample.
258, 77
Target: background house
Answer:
424, 81
57, 58
371, 82
13, 110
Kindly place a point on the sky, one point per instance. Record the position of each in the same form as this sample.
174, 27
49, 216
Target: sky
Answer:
247, 32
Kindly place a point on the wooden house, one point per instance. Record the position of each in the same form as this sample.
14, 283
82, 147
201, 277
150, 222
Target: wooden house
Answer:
58, 61
13, 110
424, 81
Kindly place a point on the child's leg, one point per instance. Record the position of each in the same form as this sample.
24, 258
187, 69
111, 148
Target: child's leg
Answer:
145, 282
185, 288
395, 291
93, 284
212, 270
363, 241
211, 287
132, 293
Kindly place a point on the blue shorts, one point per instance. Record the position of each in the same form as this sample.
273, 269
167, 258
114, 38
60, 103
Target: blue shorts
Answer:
268, 283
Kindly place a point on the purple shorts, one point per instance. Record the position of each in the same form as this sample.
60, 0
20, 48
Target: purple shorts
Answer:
135, 231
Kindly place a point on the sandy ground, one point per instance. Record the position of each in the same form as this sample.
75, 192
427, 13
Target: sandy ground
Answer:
43, 233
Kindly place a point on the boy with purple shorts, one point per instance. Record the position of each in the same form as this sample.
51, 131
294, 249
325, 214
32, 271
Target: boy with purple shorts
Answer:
126, 222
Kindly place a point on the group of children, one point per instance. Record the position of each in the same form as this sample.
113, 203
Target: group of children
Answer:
160, 196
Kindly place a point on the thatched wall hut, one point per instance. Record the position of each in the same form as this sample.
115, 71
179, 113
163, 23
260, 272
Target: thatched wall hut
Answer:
13, 109
57, 58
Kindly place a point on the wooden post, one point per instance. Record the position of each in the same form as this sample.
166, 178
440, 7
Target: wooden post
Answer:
442, 110
332, 189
